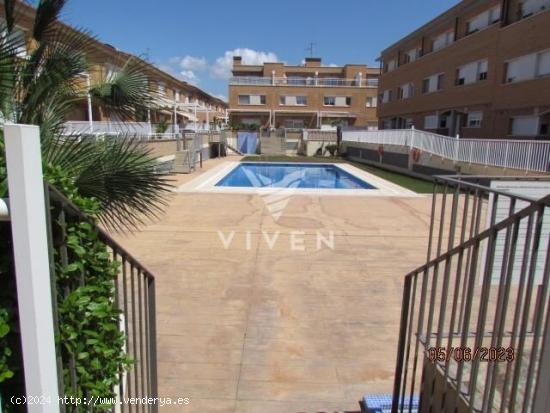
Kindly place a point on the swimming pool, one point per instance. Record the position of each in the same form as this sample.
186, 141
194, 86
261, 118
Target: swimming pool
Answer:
291, 175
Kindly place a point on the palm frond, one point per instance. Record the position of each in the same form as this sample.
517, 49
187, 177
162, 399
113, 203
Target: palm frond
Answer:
9, 13
54, 70
10, 46
120, 173
127, 92
47, 14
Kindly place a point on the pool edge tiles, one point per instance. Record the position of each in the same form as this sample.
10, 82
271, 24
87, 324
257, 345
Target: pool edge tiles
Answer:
206, 183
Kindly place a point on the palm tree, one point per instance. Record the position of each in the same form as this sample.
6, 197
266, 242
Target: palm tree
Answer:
44, 85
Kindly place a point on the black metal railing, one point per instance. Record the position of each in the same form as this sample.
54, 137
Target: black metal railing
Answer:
475, 316
134, 295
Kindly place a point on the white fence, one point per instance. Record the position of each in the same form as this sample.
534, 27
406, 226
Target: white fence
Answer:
319, 135
507, 153
128, 128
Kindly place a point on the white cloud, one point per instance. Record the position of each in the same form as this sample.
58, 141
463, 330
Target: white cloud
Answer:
221, 69
193, 63
189, 76
187, 67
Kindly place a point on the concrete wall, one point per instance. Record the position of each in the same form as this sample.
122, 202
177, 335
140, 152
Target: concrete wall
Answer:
169, 147
161, 147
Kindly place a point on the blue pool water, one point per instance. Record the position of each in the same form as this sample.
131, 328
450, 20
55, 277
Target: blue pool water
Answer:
291, 175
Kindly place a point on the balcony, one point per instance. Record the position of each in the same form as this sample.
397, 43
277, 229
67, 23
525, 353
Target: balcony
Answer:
303, 82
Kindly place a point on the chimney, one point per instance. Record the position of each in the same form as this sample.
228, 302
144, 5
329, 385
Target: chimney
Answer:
313, 62
237, 60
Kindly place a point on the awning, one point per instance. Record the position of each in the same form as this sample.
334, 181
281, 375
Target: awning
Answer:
338, 115
188, 116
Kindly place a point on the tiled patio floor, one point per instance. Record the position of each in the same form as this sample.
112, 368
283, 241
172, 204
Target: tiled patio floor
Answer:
258, 329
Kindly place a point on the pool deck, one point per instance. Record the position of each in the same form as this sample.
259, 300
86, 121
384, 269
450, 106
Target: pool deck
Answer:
258, 325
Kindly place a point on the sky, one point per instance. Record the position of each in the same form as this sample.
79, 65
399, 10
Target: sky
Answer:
196, 40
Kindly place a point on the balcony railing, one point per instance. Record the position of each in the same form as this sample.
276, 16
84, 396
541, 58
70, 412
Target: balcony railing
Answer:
306, 82
131, 129
475, 322
134, 296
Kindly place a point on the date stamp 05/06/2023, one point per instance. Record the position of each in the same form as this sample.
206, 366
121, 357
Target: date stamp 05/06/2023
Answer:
469, 354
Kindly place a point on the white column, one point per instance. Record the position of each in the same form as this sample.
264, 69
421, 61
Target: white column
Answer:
89, 98
32, 268
149, 121
196, 119
175, 120
457, 146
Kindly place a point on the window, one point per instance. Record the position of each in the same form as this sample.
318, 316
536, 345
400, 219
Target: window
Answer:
330, 101
530, 7
391, 65
472, 72
293, 100
444, 39
525, 126
485, 19
251, 99
406, 91
294, 124
411, 55
430, 122
474, 119
337, 101
528, 67
177, 95
432, 83
386, 96
371, 101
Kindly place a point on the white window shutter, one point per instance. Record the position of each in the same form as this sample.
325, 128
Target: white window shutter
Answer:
544, 64
525, 126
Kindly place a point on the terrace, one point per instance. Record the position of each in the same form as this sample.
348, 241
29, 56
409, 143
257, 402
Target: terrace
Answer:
250, 326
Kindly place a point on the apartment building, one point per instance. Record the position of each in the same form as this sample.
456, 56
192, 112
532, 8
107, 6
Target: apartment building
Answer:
275, 95
479, 70
178, 104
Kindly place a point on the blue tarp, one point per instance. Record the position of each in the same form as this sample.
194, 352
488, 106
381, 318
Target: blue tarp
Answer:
247, 142
381, 403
